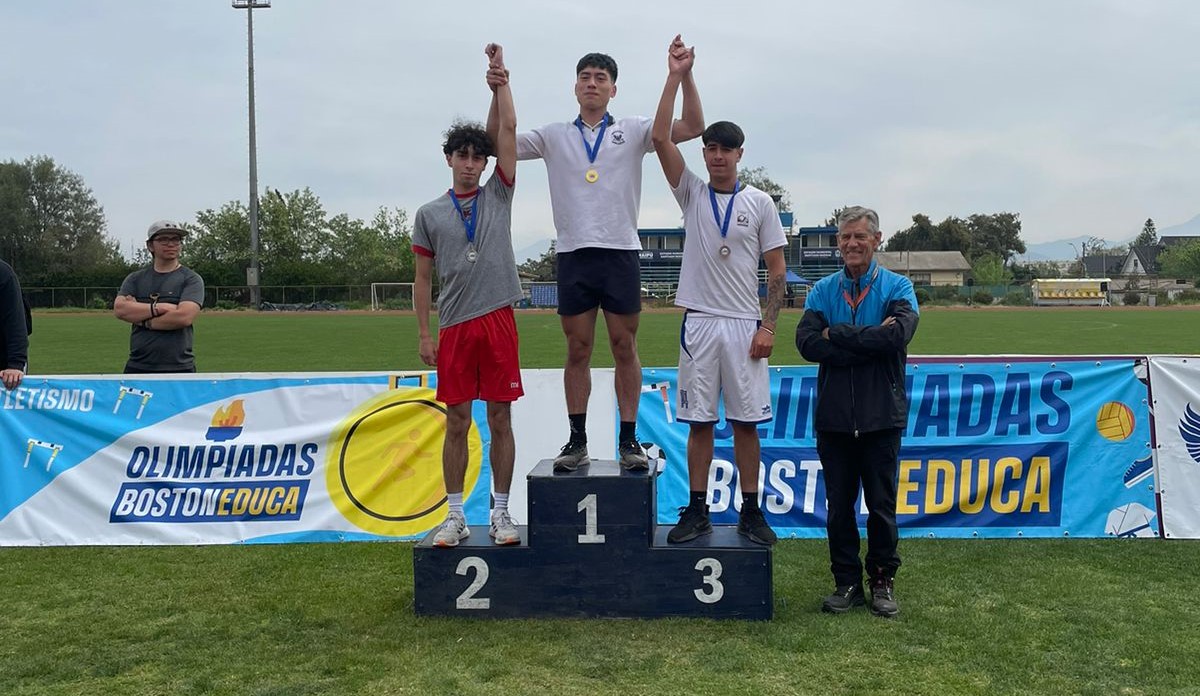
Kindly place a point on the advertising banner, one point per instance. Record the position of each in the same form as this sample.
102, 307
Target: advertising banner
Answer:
1175, 387
995, 447
210, 459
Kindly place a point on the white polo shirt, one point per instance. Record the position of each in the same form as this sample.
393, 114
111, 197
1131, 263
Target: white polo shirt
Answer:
604, 213
726, 286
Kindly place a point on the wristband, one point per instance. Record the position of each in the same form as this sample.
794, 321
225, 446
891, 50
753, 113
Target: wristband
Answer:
764, 328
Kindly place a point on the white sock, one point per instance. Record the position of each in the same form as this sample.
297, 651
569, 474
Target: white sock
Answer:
501, 502
455, 502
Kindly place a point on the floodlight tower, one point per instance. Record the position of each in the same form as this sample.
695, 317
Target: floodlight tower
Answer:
252, 272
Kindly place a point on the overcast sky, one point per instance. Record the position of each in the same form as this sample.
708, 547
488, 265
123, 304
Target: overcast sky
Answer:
1081, 115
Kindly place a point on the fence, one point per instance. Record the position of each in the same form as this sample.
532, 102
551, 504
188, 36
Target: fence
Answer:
228, 296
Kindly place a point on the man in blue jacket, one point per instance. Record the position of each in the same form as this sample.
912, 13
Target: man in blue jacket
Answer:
857, 324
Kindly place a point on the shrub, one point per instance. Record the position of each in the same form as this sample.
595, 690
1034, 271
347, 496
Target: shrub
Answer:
922, 296
982, 297
1188, 297
1131, 298
945, 292
1016, 298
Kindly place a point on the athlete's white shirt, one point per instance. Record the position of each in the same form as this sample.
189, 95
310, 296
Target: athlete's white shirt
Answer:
725, 286
601, 214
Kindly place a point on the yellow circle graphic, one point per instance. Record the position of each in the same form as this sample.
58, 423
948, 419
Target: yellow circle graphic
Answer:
1115, 421
384, 467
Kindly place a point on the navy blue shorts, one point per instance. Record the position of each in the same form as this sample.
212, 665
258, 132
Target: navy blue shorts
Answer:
607, 278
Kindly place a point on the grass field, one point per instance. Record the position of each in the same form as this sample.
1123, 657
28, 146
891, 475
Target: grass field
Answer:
284, 342
978, 617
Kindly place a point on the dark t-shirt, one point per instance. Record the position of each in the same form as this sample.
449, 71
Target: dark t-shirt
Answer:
163, 351
14, 321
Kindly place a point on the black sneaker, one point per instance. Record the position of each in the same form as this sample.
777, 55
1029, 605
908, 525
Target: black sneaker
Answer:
843, 599
573, 455
693, 523
753, 526
883, 597
632, 456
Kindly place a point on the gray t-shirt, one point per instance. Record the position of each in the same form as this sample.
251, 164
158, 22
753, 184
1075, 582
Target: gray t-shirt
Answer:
470, 289
163, 351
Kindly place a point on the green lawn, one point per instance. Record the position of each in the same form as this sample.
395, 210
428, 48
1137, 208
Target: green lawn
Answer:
250, 342
978, 617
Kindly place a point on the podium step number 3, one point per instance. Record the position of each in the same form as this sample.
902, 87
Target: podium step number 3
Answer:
592, 549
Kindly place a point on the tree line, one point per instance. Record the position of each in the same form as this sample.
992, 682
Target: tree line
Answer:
54, 232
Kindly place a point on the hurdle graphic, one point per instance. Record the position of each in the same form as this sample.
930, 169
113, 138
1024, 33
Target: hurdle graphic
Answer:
661, 387
54, 450
146, 396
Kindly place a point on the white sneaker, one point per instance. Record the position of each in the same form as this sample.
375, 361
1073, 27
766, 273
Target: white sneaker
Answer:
452, 531
503, 531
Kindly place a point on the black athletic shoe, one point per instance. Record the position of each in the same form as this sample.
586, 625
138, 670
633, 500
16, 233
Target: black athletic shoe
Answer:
843, 599
573, 455
883, 597
632, 456
753, 526
693, 523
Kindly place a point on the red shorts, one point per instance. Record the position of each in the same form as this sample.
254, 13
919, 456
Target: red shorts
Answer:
479, 359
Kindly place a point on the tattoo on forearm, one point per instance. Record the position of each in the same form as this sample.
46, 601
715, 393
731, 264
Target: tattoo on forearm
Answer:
775, 292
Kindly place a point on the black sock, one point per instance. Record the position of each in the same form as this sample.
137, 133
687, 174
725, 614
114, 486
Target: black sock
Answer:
578, 426
749, 501
628, 431
697, 498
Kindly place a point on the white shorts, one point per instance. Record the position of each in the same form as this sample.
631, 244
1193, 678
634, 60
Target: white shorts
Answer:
714, 359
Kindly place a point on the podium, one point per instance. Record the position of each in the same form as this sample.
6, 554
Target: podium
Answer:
592, 548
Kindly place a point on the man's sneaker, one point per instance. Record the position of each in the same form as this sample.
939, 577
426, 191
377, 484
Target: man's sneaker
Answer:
502, 530
452, 531
693, 523
572, 456
632, 456
883, 597
753, 526
843, 599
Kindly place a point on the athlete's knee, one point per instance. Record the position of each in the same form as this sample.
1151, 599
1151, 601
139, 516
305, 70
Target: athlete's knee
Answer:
458, 420
499, 417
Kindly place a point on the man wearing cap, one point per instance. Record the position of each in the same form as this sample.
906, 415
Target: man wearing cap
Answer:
161, 302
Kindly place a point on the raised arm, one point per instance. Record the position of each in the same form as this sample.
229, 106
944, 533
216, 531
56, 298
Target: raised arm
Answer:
504, 135
679, 64
691, 124
496, 75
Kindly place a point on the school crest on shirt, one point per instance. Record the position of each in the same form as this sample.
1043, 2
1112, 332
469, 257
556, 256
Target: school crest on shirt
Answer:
743, 219
618, 137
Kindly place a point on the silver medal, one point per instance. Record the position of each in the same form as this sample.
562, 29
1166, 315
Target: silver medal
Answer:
724, 250
472, 255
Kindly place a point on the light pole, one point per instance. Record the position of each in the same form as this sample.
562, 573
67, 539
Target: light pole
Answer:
252, 272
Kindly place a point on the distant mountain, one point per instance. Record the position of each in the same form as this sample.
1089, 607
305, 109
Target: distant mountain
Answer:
1191, 228
533, 251
1061, 250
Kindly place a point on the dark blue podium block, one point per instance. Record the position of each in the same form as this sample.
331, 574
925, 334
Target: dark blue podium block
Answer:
592, 550
598, 504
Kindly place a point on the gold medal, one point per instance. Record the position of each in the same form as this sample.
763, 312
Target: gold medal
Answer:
592, 176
